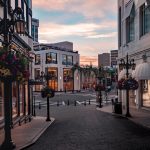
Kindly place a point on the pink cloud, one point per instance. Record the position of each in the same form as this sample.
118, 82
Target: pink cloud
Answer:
88, 8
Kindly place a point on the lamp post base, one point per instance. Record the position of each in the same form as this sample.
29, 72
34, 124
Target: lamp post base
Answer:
48, 119
7, 145
128, 115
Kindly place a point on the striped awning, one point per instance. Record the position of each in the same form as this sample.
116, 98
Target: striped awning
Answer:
142, 71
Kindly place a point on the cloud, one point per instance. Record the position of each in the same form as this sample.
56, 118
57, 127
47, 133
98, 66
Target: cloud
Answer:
113, 34
87, 60
88, 30
89, 9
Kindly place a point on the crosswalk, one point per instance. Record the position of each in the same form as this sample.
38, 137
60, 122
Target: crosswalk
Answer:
67, 103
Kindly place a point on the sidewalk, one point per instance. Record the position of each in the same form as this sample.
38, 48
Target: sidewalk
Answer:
140, 117
28, 133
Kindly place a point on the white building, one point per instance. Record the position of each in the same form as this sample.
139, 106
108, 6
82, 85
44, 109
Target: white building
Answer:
134, 39
57, 59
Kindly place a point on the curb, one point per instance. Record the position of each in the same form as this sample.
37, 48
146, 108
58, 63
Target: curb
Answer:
36, 137
128, 118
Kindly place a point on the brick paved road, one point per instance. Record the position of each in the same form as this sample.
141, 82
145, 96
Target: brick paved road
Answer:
85, 128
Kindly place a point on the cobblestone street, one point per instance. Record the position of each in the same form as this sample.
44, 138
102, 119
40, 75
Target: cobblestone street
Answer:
84, 128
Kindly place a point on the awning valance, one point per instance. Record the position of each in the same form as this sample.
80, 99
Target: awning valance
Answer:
142, 71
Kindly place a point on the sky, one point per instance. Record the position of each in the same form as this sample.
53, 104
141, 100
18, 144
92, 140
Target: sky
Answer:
90, 24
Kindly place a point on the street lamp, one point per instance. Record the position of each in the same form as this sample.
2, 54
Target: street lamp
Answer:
47, 77
8, 26
100, 76
129, 64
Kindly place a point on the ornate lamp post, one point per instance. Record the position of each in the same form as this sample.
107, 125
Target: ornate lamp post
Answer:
8, 26
100, 76
47, 77
129, 64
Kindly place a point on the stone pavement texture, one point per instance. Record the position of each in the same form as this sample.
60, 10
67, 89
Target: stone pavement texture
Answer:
28, 133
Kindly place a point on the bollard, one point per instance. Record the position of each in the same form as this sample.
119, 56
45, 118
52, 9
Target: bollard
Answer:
68, 103
25, 121
39, 105
85, 103
89, 102
75, 103
57, 103
19, 122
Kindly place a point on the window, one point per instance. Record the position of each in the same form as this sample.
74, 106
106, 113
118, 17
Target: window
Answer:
145, 19
51, 58
130, 34
64, 59
37, 59
119, 26
67, 60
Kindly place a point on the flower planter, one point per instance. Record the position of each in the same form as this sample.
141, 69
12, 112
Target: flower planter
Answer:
47, 92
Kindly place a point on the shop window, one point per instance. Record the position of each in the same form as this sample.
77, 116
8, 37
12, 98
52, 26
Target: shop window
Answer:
53, 82
145, 85
14, 99
68, 79
1, 100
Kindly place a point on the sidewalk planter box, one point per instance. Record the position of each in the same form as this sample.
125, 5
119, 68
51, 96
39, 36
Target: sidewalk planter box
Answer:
118, 107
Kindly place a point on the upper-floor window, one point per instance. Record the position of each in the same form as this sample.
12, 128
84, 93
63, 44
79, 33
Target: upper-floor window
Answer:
67, 59
119, 27
130, 29
51, 58
37, 59
145, 19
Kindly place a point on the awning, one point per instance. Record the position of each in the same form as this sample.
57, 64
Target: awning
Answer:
128, 10
142, 71
122, 74
35, 82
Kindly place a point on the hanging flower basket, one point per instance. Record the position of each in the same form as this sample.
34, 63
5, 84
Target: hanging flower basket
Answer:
120, 85
47, 92
13, 64
130, 84
100, 87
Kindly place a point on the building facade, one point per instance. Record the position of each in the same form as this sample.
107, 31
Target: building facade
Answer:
57, 59
34, 32
20, 102
113, 57
104, 59
134, 37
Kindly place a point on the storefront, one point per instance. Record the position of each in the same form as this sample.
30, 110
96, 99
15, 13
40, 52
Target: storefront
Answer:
68, 79
142, 74
145, 93
53, 82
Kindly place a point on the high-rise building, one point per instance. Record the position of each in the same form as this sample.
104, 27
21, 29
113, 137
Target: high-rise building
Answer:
104, 59
113, 57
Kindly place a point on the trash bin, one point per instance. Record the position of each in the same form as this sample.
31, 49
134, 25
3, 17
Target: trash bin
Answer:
118, 107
